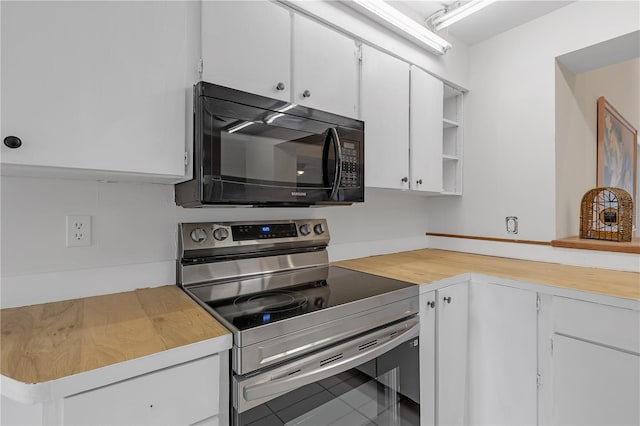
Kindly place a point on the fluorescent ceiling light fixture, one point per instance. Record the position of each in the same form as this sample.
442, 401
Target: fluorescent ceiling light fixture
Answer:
400, 23
459, 13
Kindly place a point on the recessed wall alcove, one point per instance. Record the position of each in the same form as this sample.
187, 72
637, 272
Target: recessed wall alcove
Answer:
610, 69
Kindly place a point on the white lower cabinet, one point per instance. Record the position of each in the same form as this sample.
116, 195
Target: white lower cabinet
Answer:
443, 355
178, 395
502, 355
428, 359
593, 359
494, 353
594, 384
193, 393
452, 345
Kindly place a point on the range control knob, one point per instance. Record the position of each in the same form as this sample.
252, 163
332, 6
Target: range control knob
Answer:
220, 234
319, 229
198, 235
305, 229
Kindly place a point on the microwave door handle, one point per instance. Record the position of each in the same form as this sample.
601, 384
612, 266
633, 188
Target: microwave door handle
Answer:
406, 330
338, 172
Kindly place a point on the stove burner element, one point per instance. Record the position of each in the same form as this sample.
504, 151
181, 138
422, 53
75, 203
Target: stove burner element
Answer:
274, 301
262, 308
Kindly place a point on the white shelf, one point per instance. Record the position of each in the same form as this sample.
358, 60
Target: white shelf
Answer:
452, 141
446, 123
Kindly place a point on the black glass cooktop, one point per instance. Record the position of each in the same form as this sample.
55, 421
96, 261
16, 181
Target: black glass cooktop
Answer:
270, 298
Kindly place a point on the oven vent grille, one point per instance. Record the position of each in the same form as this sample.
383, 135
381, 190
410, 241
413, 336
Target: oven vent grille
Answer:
367, 345
331, 359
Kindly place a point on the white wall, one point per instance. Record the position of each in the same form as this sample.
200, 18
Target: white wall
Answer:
576, 130
134, 234
509, 147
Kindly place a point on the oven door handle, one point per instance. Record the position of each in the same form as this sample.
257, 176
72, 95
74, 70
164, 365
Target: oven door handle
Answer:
395, 335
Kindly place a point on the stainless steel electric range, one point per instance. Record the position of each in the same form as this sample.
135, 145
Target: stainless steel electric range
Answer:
312, 343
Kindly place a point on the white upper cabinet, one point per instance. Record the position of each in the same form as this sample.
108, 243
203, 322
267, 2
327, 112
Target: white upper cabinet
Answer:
385, 111
426, 131
246, 45
97, 85
325, 68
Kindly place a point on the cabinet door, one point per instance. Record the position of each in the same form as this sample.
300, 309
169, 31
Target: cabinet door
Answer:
425, 132
325, 68
246, 45
503, 359
180, 395
453, 304
385, 111
594, 384
427, 358
97, 85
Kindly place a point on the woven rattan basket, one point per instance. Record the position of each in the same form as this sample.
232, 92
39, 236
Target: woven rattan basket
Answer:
606, 214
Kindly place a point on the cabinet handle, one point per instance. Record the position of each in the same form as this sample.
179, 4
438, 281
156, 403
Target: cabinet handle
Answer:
447, 299
280, 86
12, 142
306, 94
405, 179
419, 181
431, 304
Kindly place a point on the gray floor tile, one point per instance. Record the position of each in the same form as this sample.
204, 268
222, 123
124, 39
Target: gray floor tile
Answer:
352, 419
271, 420
293, 397
323, 415
361, 395
304, 406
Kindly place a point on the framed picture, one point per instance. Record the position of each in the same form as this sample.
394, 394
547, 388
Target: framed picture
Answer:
617, 150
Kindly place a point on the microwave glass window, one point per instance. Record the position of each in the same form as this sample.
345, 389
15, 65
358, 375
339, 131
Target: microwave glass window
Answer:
260, 153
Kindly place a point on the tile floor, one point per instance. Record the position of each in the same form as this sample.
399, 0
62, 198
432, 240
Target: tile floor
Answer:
347, 399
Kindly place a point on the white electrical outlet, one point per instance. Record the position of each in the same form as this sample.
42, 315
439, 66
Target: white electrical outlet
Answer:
511, 223
78, 231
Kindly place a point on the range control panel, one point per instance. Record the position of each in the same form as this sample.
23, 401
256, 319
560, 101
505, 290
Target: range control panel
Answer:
256, 232
350, 166
211, 235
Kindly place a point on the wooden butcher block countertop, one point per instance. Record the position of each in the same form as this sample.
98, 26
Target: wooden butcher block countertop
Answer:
427, 266
54, 340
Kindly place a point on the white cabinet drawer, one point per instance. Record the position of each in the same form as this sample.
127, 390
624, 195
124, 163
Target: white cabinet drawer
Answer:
607, 325
180, 395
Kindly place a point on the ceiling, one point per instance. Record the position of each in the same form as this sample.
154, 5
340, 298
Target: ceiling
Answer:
493, 19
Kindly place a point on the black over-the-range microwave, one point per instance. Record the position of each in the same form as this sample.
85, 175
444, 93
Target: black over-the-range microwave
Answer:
256, 151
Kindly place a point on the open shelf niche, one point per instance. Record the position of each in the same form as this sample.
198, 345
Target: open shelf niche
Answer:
452, 141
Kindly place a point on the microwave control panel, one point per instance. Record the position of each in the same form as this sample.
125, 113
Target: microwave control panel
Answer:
350, 165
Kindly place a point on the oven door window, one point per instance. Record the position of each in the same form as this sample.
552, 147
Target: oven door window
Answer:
383, 391
271, 148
